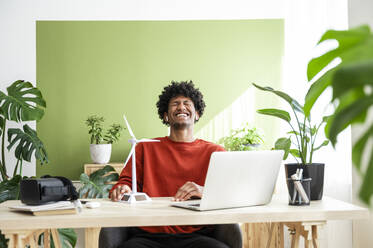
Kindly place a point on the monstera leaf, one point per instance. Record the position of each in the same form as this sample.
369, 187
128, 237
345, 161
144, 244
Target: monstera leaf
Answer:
9, 189
352, 83
94, 186
27, 145
354, 46
67, 238
3, 240
24, 102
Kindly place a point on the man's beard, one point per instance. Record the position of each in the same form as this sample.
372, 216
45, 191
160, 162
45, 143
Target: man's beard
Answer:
180, 126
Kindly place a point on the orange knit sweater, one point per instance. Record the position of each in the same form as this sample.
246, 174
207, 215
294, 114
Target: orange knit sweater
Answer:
162, 168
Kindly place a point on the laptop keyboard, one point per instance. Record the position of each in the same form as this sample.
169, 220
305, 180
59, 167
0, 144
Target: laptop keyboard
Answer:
194, 205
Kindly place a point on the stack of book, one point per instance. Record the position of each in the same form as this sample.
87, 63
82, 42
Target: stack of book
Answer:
55, 208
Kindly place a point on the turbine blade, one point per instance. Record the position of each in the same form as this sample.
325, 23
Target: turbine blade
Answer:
128, 126
148, 140
129, 155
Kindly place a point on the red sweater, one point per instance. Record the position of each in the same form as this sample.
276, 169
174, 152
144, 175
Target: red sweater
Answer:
162, 168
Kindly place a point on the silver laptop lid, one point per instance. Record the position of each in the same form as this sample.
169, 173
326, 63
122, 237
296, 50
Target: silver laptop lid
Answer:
237, 179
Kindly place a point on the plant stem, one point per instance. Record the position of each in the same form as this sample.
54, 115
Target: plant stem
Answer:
311, 142
20, 168
3, 166
301, 151
317, 130
304, 141
296, 137
15, 168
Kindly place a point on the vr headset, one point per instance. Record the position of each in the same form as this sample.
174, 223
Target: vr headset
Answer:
37, 191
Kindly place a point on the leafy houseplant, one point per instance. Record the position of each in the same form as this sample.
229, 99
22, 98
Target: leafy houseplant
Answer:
352, 84
301, 143
242, 139
97, 185
22, 103
100, 153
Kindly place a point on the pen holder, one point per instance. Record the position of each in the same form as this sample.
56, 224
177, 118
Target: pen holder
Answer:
299, 191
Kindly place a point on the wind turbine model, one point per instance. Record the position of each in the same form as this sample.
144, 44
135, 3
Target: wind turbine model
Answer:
135, 196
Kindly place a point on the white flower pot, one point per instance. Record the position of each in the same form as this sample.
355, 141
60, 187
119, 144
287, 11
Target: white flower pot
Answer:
100, 154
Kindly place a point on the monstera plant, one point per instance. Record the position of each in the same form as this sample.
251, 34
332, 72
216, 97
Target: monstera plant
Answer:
352, 84
24, 102
97, 185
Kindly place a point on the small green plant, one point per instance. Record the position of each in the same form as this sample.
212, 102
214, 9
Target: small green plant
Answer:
242, 139
302, 135
96, 130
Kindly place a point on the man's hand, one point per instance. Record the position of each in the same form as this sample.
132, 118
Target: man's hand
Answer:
187, 191
117, 193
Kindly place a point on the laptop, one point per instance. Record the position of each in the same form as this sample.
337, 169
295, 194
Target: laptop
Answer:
238, 179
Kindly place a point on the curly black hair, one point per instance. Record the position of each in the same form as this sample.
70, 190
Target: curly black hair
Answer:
183, 88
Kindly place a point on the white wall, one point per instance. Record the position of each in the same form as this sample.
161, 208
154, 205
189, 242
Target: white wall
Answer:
360, 12
305, 21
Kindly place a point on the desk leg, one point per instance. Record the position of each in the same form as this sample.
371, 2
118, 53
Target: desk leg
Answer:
306, 229
21, 238
12, 239
47, 241
56, 238
91, 237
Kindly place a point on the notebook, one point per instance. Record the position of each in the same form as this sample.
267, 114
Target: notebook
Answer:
238, 179
55, 208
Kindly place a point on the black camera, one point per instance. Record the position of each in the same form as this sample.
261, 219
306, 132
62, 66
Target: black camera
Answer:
36, 191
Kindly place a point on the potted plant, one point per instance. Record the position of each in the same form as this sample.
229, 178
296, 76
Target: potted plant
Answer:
352, 84
242, 139
100, 153
300, 143
24, 102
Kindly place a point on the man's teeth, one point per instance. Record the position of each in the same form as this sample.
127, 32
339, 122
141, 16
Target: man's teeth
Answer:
181, 115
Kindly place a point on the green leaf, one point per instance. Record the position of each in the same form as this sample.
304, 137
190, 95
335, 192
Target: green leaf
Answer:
295, 153
347, 116
352, 76
293, 132
358, 148
355, 45
9, 189
293, 103
28, 143
346, 40
113, 133
366, 189
283, 144
316, 89
95, 185
282, 114
313, 130
3, 240
67, 237
325, 143
24, 102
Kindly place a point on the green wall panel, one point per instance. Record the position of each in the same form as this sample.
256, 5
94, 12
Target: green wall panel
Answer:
114, 67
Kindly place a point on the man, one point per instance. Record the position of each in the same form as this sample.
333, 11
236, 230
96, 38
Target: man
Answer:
176, 166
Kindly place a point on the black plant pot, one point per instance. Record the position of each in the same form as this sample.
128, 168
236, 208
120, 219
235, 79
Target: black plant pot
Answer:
314, 171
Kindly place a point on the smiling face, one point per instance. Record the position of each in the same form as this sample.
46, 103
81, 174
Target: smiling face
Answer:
181, 113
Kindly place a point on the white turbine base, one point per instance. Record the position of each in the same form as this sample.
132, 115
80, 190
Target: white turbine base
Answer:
138, 197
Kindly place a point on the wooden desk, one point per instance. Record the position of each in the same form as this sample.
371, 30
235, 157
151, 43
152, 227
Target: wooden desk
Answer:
158, 212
